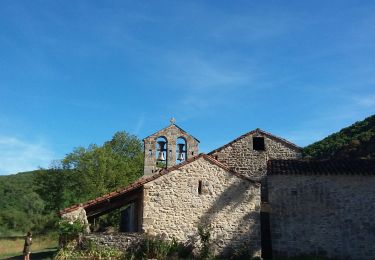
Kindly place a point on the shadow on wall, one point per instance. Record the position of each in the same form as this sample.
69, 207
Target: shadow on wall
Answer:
234, 220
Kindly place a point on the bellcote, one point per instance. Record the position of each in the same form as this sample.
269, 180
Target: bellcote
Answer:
168, 147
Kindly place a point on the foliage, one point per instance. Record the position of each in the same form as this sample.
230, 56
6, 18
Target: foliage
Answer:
150, 248
70, 229
107, 221
101, 169
159, 248
30, 200
70, 232
89, 251
87, 173
161, 164
204, 233
355, 141
21, 208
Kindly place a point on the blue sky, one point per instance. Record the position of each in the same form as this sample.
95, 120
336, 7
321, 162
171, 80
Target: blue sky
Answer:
75, 72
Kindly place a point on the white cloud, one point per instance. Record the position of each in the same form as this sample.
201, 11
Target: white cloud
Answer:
18, 155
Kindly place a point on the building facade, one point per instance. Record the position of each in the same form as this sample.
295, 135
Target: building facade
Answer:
253, 193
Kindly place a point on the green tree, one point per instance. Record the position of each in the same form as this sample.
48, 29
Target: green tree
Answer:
89, 172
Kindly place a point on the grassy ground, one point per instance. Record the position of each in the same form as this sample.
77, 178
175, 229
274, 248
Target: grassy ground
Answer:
42, 247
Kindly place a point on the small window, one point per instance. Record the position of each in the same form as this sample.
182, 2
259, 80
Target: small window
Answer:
258, 144
200, 187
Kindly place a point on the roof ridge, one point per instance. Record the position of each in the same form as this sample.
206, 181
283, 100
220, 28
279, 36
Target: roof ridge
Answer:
182, 130
255, 131
146, 179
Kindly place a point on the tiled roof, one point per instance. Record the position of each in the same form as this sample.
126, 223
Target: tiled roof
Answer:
260, 131
321, 167
143, 180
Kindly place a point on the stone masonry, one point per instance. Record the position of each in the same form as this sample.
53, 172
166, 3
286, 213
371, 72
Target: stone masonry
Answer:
129, 242
171, 134
240, 156
330, 215
201, 193
78, 214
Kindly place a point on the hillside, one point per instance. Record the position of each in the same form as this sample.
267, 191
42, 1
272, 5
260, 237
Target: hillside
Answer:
30, 200
355, 141
21, 207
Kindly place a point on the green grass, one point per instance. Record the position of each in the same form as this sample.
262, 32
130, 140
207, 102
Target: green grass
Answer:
13, 246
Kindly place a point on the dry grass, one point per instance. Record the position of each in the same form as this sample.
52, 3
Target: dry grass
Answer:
14, 246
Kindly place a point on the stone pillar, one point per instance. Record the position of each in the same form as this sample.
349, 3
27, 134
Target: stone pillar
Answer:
79, 214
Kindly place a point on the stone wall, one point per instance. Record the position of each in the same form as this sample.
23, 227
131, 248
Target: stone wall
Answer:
78, 214
122, 241
329, 215
242, 158
170, 133
228, 204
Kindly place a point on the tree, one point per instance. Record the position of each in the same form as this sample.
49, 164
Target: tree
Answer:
90, 172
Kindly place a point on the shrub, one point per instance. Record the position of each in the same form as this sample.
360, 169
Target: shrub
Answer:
70, 231
204, 233
159, 248
89, 251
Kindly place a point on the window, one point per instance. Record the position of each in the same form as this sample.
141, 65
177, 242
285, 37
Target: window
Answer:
200, 187
258, 144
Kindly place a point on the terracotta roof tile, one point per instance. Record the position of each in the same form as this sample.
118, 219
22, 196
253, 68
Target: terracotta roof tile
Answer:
321, 167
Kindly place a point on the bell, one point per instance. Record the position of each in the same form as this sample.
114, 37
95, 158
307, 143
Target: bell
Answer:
161, 156
161, 145
180, 156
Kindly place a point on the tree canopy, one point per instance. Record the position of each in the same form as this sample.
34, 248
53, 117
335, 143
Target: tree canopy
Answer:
89, 172
30, 201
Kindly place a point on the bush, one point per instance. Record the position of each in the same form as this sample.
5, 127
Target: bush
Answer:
88, 251
158, 248
70, 231
204, 233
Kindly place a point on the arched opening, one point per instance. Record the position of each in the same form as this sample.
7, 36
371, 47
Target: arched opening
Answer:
181, 150
161, 152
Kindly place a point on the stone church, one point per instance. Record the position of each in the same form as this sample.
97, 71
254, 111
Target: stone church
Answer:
254, 193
